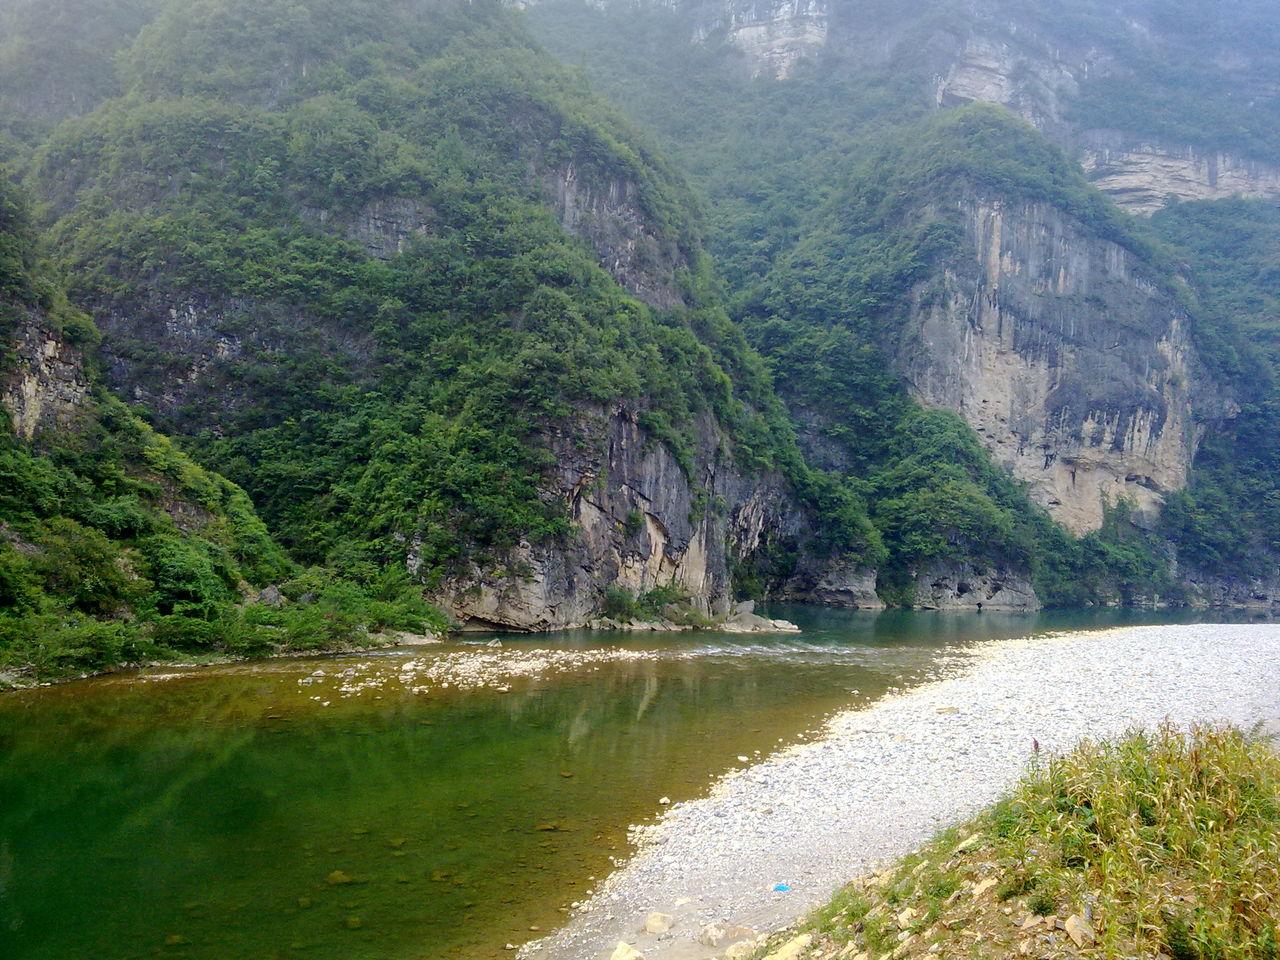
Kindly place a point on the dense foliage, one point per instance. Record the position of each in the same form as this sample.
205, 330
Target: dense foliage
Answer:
377, 400
323, 244
1229, 517
116, 547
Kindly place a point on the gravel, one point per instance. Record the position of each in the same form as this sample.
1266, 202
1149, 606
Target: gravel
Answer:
883, 780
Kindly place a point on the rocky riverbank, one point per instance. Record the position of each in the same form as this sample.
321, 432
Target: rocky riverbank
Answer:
775, 840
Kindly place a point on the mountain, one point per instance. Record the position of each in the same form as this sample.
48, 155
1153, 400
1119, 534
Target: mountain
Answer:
431, 304
929, 185
946, 304
114, 545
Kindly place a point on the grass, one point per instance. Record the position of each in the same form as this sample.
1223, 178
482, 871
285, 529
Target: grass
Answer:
1161, 843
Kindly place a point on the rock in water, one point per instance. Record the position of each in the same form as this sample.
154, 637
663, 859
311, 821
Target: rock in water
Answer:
658, 923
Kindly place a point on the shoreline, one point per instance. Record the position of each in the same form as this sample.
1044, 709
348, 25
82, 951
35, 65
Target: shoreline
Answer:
885, 779
742, 623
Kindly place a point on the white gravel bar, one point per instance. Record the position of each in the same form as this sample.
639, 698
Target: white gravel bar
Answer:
884, 779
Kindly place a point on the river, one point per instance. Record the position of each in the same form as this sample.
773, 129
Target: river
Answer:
423, 803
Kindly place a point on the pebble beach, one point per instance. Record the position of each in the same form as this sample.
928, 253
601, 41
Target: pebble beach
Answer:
775, 839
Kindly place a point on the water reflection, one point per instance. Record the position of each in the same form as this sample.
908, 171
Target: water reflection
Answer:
225, 813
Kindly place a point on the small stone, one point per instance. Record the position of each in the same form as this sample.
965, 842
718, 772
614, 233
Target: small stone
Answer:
353, 923
174, 940
624, 951
339, 878
971, 842
712, 935
792, 949
905, 918
656, 923
663, 801
740, 950
948, 711
1079, 930
983, 887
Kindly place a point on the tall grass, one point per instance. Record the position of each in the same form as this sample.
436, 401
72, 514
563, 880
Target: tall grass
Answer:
1170, 840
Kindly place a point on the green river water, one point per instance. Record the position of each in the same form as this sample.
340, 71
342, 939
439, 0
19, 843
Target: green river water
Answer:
260, 811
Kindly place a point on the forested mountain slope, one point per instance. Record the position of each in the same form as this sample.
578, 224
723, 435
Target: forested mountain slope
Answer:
971, 263
114, 545
432, 304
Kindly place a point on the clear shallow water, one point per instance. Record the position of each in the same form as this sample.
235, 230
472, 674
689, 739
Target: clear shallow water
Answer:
261, 811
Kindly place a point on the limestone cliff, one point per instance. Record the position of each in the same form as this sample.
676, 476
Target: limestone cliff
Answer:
1074, 368
1038, 63
605, 209
774, 34
43, 387
965, 586
1142, 176
642, 520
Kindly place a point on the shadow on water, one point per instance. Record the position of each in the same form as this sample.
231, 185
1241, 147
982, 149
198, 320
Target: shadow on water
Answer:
256, 811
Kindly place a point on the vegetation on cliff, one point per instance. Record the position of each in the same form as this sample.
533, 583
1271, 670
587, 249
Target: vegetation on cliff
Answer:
116, 547
366, 259
371, 398
831, 203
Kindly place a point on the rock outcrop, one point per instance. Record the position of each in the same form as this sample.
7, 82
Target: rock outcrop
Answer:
1142, 176
604, 208
1074, 368
989, 51
962, 586
45, 387
642, 520
774, 34
384, 226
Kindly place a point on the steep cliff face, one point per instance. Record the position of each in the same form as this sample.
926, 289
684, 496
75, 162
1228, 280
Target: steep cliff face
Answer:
968, 586
643, 521
604, 209
1073, 367
44, 386
1083, 75
1142, 176
774, 34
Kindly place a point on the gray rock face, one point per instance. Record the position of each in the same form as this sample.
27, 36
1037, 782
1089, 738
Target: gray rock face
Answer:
604, 209
1075, 369
1206, 591
961, 586
835, 583
1142, 175
994, 52
640, 522
45, 388
384, 227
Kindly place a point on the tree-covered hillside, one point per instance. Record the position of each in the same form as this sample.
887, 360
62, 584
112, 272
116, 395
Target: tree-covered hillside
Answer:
827, 194
437, 302
114, 545
370, 258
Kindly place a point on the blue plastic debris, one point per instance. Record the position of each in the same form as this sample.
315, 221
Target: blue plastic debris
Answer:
782, 888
